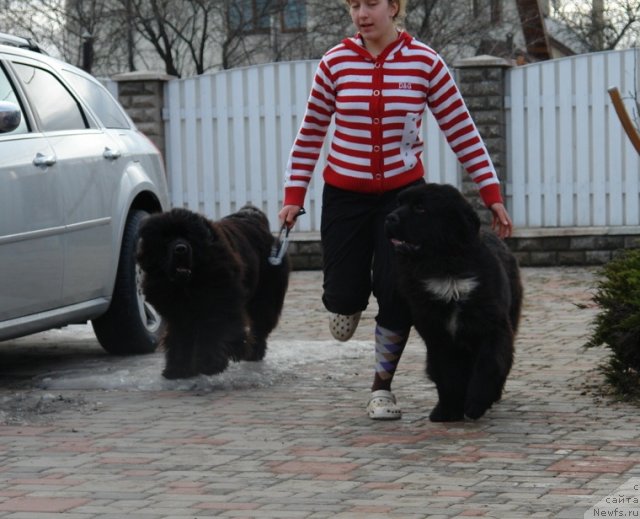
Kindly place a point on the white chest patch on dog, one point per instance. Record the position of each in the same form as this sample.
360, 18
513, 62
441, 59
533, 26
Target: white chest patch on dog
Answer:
450, 289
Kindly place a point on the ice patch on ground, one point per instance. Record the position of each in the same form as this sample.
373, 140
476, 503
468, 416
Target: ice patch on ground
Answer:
143, 373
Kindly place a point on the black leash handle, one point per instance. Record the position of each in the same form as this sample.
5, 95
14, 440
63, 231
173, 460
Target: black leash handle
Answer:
280, 245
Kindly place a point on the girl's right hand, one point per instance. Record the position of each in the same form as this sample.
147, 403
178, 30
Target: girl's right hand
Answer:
288, 215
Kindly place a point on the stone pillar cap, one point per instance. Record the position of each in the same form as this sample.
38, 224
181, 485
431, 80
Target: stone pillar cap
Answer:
143, 75
482, 61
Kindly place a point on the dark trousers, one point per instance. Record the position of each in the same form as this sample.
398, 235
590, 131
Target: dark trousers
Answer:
358, 258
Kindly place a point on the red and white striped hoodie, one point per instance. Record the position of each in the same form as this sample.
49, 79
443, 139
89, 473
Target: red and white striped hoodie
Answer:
378, 104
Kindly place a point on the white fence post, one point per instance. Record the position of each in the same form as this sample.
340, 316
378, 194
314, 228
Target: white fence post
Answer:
570, 163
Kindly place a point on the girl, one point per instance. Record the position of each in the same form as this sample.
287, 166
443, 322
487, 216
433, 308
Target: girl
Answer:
377, 85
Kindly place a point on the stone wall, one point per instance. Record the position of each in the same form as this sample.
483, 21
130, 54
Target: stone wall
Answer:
569, 247
142, 96
481, 80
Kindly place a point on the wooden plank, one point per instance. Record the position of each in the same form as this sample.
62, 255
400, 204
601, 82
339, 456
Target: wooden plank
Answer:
549, 146
517, 138
254, 145
239, 149
207, 142
566, 134
631, 158
190, 157
285, 130
599, 139
174, 143
272, 172
582, 144
615, 144
534, 154
624, 118
222, 136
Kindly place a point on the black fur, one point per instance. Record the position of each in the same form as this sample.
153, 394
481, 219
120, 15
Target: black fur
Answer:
464, 290
213, 284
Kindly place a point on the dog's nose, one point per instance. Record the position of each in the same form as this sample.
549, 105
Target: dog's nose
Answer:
180, 249
392, 218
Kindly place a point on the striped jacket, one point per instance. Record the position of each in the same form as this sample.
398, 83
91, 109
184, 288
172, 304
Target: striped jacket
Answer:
378, 105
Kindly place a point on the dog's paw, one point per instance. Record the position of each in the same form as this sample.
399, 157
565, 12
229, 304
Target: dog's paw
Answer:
211, 365
475, 410
256, 351
443, 414
173, 373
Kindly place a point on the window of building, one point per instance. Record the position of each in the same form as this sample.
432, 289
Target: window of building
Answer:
294, 16
255, 16
496, 11
478, 7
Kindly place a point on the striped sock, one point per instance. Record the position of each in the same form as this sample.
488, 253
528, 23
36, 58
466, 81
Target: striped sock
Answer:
389, 347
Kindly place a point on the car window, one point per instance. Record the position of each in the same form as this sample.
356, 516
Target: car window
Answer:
57, 108
99, 99
7, 93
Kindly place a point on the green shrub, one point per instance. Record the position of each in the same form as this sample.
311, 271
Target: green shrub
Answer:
617, 325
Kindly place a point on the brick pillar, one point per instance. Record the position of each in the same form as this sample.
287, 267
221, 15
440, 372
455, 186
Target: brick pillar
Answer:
142, 96
481, 80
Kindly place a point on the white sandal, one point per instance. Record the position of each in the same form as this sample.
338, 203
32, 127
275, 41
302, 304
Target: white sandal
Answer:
382, 406
343, 327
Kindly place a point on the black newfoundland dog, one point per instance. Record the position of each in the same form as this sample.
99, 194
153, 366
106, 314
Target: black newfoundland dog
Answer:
464, 290
214, 286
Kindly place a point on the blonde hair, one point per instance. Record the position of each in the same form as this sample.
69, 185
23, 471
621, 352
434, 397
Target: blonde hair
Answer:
402, 8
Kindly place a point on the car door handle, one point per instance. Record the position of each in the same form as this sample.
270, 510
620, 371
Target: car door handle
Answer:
43, 161
110, 154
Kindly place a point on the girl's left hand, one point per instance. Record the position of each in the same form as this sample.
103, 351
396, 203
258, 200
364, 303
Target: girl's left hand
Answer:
501, 224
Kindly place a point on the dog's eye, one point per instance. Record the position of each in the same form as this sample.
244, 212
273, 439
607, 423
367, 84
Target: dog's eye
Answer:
418, 208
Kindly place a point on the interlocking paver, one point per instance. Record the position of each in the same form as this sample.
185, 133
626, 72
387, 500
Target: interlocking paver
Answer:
300, 445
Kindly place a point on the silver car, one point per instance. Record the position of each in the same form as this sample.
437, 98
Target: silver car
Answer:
76, 180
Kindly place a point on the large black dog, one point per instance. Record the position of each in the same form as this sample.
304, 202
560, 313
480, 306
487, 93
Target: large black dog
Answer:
214, 286
464, 290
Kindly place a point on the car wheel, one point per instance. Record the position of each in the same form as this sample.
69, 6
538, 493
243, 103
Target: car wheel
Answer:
131, 326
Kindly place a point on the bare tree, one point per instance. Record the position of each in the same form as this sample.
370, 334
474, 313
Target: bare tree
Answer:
178, 32
599, 24
189, 37
457, 29
63, 26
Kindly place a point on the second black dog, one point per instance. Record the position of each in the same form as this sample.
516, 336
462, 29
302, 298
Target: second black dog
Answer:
464, 290
213, 285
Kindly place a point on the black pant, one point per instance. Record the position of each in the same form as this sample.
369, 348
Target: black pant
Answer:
358, 258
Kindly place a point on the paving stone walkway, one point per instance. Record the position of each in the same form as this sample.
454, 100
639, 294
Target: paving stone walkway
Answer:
302, 446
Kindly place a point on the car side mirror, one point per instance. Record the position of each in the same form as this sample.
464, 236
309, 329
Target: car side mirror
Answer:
10, 116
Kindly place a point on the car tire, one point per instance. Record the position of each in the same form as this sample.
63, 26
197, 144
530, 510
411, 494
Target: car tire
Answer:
130, 326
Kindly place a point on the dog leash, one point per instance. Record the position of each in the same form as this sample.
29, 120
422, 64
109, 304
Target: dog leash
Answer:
280, 245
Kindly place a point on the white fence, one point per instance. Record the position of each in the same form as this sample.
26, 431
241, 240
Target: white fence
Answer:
229, 135
569, 163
